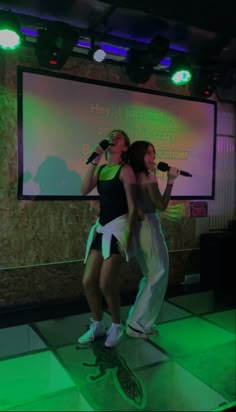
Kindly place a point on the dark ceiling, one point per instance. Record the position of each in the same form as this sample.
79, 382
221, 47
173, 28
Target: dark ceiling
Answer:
205, 30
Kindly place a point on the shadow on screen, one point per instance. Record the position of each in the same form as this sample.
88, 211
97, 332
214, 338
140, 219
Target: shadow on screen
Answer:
56, 179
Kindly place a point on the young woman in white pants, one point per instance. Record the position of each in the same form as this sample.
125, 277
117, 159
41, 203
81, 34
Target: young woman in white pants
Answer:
151, 253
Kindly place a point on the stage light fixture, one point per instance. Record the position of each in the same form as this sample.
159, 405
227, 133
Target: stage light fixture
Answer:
157, 50
141, 62
10, 36
96, 52
136, 68
180, 70
99, 55
55, 43
202, 85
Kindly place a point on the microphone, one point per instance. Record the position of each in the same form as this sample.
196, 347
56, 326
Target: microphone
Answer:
104, 145
164, 167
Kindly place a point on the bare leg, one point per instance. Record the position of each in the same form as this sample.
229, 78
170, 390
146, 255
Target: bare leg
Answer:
109, 284
91, 283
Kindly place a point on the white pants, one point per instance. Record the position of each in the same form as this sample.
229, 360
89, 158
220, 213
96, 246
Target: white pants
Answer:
153, 258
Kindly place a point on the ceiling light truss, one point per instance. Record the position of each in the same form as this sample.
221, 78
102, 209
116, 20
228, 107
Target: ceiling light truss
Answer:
118, 50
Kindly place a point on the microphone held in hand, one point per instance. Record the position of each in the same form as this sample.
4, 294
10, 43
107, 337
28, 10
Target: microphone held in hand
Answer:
164, 167
104, 145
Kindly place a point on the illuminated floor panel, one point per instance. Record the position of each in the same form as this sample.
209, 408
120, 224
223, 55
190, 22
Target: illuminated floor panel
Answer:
190, 366
172, 388
191, 335
197, 303
217, 368
164, 387
26, 378
18, 340
226, 319
69, 400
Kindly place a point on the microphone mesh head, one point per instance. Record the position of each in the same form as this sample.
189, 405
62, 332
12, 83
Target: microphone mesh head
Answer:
104, 144
162, 166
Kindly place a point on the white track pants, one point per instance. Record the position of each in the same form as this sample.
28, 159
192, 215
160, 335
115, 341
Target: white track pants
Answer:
153, 258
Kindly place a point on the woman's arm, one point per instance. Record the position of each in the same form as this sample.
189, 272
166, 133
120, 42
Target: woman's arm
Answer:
128, 178
171, 176
90, 178
160, 201
151, 185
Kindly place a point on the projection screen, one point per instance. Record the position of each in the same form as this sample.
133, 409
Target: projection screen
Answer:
61, 118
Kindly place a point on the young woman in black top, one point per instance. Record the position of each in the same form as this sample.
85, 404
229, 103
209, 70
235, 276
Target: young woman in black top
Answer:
110, 237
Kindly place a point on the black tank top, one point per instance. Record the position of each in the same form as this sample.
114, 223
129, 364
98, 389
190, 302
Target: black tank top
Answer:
113, 202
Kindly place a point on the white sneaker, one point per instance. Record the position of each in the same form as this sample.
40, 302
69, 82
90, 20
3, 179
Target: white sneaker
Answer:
114, 334
135, 333
96, 330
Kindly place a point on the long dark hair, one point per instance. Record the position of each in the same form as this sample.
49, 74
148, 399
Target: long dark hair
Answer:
136, 153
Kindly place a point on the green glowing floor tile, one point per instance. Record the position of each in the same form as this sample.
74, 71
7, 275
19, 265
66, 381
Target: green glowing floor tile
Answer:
169, 387
137, 353
26, 378
171, 312
163, 387
201, 302
191, 335
216, 368
18, 340
69, 400
73, 359
226, 319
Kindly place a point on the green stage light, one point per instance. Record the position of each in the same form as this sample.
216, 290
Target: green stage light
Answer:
181, 77
9, 40
10, 37
180, 71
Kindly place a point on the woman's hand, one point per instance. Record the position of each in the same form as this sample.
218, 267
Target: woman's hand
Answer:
100, 151
172, 174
